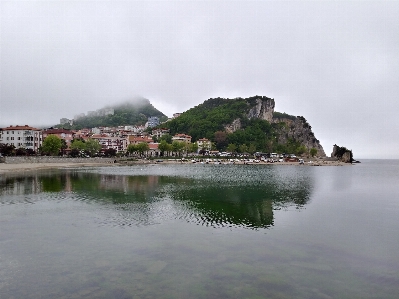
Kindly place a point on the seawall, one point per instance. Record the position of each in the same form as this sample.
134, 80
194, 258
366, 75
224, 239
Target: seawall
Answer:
46, 159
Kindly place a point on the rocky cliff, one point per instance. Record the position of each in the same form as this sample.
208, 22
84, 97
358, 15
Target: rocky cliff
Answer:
247, 122
259, 107
263, 109
298, 128
288, 126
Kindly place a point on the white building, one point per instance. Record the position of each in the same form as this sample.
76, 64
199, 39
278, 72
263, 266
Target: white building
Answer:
204, 144
22, 137
107, 142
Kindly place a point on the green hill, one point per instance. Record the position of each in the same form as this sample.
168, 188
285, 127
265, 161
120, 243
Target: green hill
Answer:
135, 112
246, 124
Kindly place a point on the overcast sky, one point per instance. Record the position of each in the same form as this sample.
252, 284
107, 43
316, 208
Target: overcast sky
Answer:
336, 63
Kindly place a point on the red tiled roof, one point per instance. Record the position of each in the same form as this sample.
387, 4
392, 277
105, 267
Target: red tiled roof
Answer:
133, 138
153, 146
17, 127
57, 131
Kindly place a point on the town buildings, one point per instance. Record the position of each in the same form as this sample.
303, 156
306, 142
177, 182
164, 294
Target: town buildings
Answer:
153, 121
64, 134
22, 137
108, 142
117, 138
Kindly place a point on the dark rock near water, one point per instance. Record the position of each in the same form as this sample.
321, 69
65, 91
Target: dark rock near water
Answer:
343, 154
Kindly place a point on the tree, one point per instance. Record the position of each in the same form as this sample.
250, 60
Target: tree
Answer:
7, 149
20, 151
64, 146
231, 147
131, 148
243, 148
52, 145
166, 137
178, 146
169, 148
92, 146
220, 139
142, 147
194, 147
74, 153
300, 150
78, 145
110, 152
252, 148
163, 147
313, 152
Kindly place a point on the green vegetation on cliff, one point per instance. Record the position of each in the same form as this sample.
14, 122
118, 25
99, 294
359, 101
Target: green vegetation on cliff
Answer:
207, 118
210, 119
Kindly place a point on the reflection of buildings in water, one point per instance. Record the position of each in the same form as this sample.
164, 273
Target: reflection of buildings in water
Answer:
129, 184
13, 185
68, 183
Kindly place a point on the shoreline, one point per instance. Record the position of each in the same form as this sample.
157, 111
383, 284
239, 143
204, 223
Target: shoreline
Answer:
30, 167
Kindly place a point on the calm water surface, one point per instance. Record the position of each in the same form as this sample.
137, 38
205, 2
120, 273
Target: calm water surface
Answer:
202, 231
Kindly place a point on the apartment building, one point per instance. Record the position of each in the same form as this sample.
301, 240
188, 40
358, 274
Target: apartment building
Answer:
22, 137
182, 138
108, 142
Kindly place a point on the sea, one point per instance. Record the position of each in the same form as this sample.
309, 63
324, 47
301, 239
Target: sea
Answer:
201, 231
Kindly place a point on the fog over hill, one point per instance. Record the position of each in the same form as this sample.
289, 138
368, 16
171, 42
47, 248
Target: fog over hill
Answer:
133, 112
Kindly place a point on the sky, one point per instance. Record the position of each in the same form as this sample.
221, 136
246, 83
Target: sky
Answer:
335, 63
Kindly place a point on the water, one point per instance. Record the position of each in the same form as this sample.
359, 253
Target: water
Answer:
202, 231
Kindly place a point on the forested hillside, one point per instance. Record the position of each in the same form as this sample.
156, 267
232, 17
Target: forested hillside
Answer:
245, 125
129, 113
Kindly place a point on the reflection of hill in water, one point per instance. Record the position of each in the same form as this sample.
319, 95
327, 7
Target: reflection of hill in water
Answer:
239, 200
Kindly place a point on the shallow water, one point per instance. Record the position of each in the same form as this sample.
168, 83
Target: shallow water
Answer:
201, 231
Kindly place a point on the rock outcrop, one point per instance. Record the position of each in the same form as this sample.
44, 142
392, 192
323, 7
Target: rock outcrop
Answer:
290, 127
263, 109
234, 126
297, 128
342, 154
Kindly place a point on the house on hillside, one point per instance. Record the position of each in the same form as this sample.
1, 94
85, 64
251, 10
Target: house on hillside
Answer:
159, 132
182, 138
153, 121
